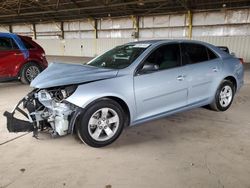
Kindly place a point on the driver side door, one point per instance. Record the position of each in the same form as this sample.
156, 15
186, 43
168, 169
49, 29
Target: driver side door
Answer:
162, 90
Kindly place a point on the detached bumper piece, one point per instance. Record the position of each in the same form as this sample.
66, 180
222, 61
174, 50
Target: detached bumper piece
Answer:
18, 125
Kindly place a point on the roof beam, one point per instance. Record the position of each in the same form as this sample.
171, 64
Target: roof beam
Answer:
33, 11
81, 8
184, 3
19, 7
10, 6
75, 3
57, 4
158, 7
46, 8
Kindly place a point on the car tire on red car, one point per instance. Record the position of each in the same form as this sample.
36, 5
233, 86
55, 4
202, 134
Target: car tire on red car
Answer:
29, 71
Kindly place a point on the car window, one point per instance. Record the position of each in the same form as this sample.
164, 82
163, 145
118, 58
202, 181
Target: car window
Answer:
7, 44
211, 54
224, 48
27, 44
165, 57
194, 53
119, 57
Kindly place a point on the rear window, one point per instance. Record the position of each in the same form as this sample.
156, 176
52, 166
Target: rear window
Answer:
194, 53
211, 54
224, 48
27, 44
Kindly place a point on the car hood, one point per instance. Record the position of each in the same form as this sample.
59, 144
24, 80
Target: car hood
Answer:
59, 74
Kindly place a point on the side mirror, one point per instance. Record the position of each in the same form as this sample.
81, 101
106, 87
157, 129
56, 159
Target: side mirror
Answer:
149, 67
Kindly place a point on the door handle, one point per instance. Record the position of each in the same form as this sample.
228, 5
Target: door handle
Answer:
215, 69
18, 54
180, 78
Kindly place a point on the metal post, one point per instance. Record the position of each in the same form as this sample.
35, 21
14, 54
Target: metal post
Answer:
137, 26
10, 29
135, 20
34, 31
62, 30
190, 22
96, 29
96, 35
94, 24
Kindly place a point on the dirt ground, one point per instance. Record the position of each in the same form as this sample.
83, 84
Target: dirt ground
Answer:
198, 148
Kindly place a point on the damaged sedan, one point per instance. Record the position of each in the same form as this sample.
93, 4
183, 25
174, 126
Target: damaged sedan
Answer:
128, 85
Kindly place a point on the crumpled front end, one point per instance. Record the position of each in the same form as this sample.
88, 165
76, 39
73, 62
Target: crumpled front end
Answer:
44, 109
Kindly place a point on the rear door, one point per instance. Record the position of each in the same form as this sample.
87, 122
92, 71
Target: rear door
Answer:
203, 68
10, 57
164, 89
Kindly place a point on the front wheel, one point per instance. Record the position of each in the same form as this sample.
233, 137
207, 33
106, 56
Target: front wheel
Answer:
29, 72
101, 124
224, 96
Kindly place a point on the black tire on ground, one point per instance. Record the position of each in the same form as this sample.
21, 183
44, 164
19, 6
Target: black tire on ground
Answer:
216, 105
26, 67
82, 129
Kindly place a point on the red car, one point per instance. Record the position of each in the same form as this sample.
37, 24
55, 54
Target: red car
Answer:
20, 58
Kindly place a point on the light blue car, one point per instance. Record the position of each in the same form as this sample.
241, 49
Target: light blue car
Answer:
128, 85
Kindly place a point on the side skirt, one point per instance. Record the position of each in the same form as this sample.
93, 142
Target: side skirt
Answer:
164, 114
8, 79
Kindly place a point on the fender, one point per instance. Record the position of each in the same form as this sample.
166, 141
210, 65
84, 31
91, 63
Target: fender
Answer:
101, 89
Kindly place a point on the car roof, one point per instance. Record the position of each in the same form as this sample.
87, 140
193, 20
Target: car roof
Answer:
149, 41
167, 40
7, 34
162, 41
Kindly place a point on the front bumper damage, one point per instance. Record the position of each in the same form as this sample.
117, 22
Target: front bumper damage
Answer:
19, 125
39, 111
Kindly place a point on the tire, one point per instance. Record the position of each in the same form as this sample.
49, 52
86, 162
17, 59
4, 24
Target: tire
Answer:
29, 72
223, 101
94, 127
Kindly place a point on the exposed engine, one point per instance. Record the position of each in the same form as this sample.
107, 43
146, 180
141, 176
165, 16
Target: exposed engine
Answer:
55, 112
44, 108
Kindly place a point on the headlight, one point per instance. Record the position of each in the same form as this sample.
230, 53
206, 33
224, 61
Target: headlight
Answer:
61, 93
69, 90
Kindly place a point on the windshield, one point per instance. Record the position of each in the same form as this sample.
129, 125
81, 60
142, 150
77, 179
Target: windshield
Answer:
119, 57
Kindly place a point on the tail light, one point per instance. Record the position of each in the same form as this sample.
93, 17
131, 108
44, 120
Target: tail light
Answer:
241, 60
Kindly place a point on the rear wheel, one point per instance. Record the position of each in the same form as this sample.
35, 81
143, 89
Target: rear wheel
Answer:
29, 72
224, 96
101, 124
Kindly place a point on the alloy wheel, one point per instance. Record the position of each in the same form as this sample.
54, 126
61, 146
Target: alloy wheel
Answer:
32, 72
103, 124
226, 95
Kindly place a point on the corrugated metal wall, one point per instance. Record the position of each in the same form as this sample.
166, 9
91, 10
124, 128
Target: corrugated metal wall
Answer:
240, 45
82, 47
228, 27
